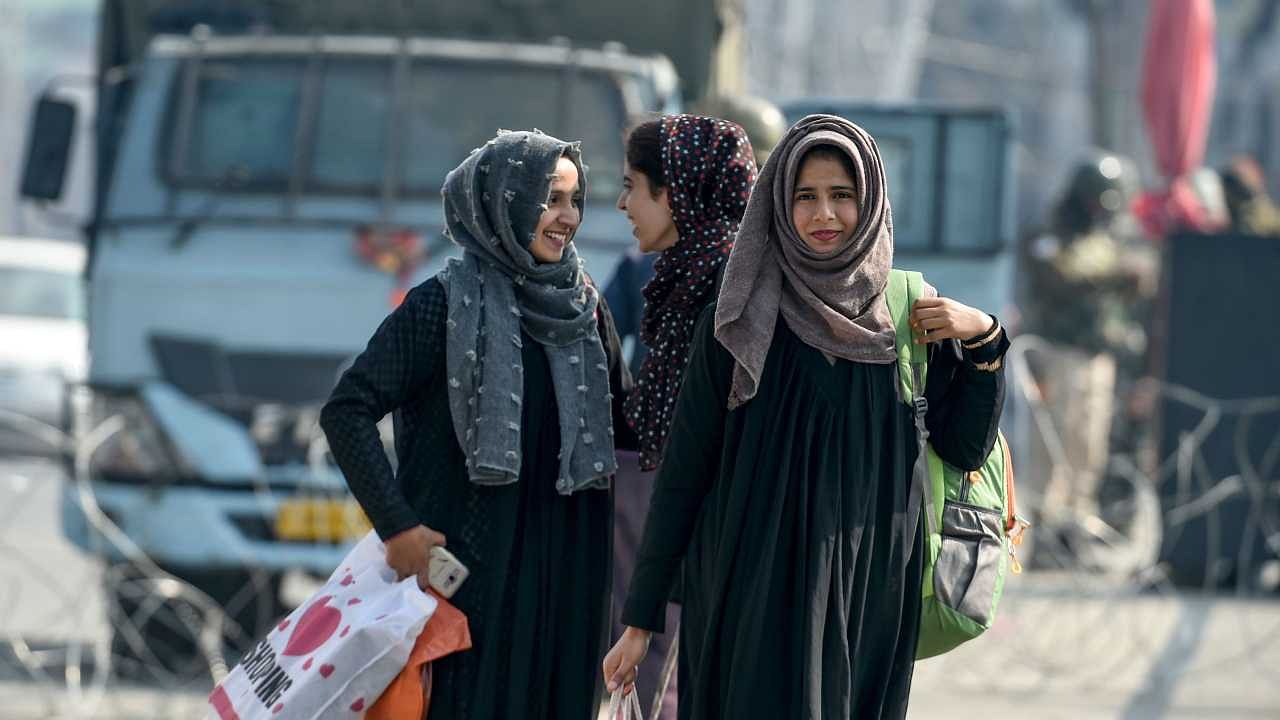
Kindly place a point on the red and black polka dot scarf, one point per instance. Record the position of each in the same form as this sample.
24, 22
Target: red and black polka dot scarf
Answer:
709, 168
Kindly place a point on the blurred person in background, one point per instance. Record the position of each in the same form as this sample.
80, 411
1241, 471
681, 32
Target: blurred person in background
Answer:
686, 180
761, 120
508, 379
1089, 282
625, 295
1249, 207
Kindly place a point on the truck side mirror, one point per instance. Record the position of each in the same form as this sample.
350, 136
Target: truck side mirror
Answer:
48, 149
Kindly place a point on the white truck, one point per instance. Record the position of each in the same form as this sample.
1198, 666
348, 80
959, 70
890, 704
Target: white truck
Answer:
267, 186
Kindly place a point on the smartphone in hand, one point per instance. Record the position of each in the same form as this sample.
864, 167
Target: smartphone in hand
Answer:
446, 573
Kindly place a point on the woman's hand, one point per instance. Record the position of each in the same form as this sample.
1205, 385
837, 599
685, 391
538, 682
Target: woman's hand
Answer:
941, 318
409, 552
621, 662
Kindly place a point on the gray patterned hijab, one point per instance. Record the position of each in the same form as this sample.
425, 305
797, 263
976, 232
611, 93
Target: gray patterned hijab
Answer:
493, 201
832, 301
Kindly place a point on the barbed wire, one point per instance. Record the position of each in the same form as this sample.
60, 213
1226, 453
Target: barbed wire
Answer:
1095, 584
1089, 613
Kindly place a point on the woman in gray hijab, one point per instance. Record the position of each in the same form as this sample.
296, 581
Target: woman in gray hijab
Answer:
506, 374
783, 493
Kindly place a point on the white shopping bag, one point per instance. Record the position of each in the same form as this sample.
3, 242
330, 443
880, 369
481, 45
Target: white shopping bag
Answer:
336, 653
625, 707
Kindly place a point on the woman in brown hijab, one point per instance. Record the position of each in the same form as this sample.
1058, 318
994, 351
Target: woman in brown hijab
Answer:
785, 479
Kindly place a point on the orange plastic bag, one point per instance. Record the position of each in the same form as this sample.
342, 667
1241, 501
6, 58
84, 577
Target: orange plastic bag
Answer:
406, 697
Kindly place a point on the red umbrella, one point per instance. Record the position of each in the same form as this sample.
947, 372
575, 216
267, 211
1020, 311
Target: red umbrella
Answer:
1179, 72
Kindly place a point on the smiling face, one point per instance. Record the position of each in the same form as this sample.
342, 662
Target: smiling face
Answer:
648, 211
824, 204
560, 220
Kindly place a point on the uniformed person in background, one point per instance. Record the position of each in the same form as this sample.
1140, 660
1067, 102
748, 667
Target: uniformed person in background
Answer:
1088, 282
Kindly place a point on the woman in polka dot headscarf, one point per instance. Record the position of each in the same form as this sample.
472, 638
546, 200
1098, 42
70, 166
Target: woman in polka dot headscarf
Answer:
685, 186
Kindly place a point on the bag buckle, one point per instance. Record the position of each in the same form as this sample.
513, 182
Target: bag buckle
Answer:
1020, 525
920, 404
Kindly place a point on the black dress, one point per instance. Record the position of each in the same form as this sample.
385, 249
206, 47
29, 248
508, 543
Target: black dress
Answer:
537, 596
801, 588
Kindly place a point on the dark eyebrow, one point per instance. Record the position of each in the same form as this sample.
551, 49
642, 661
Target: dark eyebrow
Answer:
806, 188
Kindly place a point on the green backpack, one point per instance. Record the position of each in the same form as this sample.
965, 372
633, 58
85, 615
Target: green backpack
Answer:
972, 529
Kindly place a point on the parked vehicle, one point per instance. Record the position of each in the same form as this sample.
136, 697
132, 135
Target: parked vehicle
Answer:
43, 348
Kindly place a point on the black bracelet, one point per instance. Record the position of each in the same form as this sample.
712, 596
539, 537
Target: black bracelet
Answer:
978, 341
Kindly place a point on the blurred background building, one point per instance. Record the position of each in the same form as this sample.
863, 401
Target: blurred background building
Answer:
1067, 69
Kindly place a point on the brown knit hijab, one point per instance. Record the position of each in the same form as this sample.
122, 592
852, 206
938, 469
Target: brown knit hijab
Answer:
832, 301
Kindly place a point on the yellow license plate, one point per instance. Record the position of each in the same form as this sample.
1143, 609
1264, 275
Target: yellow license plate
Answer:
320, 520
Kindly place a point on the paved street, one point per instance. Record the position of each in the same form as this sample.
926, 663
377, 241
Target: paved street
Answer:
1060, 649
1124, 657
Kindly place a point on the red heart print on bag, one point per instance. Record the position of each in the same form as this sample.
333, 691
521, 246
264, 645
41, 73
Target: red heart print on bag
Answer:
314, 628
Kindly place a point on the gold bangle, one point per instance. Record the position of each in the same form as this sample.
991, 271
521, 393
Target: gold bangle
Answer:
986, 339
992, 366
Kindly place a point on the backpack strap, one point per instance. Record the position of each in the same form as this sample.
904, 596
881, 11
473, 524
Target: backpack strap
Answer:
901, 292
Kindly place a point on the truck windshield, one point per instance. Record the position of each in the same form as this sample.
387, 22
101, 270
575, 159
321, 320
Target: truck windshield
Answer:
244, 122
249, 123
455, 107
